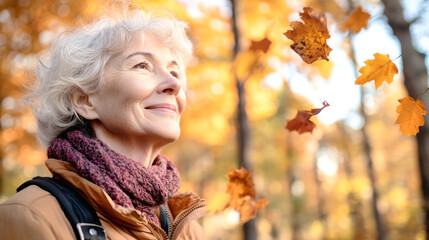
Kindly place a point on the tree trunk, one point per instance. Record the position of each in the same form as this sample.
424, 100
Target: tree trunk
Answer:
381, 232
320, 194
415, 81
296, 204
355, 204
243, 125
371, 174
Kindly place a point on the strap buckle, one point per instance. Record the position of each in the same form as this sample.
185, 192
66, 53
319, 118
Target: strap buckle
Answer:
89, 231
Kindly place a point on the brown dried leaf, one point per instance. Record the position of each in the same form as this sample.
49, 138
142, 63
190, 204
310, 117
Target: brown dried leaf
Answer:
242, 194
310, 37
249, 208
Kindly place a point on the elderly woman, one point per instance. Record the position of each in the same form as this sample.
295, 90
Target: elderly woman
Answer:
110, 96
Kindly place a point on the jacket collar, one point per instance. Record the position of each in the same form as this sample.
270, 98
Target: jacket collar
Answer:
179, 205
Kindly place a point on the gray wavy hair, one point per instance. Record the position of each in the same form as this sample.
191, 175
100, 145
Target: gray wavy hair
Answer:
76, 61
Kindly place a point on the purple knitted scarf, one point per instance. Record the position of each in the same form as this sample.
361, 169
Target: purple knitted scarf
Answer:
126, 181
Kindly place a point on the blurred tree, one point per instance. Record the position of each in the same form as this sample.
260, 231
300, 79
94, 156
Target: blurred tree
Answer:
243, 125
26, 27
415, 81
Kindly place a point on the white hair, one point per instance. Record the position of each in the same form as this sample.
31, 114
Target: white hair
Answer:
77, 59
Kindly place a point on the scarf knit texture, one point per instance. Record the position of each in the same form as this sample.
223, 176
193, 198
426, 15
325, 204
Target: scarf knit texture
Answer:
126, 181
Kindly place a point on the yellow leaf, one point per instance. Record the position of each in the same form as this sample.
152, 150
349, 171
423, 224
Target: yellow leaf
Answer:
410, 117
379, 69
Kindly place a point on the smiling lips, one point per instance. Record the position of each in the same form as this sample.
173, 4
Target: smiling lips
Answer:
164, 107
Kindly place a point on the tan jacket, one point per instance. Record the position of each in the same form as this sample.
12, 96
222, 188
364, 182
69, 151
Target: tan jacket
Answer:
35, 214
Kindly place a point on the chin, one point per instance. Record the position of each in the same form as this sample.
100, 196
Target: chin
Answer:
170, 136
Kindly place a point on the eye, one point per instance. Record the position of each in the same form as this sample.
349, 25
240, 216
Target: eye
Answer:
142, 65
174, 74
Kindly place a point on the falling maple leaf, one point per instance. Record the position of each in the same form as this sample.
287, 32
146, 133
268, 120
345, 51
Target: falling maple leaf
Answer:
379, 69
240, 196
302, 123
262, 45
310, 37
410, 116
240, 185
249, 207
357, 21
251, 60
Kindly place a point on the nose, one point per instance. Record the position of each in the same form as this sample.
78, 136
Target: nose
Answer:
170, 85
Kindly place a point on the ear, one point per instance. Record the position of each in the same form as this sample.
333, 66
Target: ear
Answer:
83, 105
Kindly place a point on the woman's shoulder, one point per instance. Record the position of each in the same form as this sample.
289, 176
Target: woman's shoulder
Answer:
34, 213
28, 197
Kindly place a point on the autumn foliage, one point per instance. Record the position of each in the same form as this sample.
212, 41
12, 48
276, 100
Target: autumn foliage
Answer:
212, 101
310, 43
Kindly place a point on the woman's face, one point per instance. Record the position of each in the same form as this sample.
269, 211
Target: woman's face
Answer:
142, 96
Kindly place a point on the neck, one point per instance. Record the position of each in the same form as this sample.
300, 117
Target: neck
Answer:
140, 149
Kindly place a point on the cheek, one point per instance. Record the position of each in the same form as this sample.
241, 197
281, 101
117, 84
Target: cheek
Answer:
181, 99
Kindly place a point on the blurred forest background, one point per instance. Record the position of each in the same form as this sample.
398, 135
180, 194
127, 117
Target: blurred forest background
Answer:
354, 177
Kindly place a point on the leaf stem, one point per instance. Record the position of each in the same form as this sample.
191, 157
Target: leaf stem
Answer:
396, 58
423, 93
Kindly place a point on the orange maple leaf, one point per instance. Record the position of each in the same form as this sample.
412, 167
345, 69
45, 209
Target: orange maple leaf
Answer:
249, 207
240, 184
242, 194
379, 69
302, 123
262, 45
356, 21
310, 37
410, 116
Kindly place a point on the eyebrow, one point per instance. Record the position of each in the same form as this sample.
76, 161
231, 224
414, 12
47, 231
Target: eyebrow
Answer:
151, 56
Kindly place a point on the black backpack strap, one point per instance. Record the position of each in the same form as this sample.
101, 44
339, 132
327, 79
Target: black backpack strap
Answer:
81, 215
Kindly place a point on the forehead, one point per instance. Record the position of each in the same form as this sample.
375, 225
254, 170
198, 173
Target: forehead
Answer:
150, 44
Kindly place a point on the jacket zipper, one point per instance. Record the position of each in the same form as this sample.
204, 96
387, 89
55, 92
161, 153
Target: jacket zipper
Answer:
160, 230
176, 223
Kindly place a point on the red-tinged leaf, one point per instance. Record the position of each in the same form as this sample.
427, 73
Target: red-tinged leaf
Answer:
302, 123
316, 111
